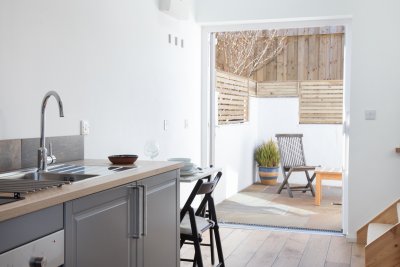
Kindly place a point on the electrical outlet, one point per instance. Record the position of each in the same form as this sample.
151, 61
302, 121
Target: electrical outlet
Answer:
370, 115
85, 128
186, 123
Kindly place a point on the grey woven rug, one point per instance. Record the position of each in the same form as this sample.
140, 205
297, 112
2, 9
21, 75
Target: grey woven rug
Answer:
260, 205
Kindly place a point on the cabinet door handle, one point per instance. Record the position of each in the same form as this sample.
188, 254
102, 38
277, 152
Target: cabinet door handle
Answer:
144, 217
134, 212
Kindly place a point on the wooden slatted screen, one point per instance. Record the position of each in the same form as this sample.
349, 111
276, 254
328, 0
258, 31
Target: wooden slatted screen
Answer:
321, 102
277, 89
252, 88
233, 98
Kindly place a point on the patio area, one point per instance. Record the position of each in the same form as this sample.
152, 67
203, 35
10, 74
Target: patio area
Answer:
260, 205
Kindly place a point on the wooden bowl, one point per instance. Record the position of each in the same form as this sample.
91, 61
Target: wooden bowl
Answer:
123, 159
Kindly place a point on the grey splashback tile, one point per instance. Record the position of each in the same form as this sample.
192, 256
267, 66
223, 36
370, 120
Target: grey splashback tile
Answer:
10, 155
65, 148
29, 148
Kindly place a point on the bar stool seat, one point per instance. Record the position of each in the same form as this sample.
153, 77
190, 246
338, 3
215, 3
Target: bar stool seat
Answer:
203, 224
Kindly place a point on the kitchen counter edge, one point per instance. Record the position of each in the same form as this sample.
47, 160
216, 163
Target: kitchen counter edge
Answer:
53, 196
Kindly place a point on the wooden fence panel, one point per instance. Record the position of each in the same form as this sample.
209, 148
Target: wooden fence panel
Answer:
233, 97
277, 89
292, 60
323, 66
306, 57
321, 102
303, 46
281, 58
313, 58
310, 54
252, 88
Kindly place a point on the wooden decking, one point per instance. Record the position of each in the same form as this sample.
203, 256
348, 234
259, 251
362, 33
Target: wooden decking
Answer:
262, 248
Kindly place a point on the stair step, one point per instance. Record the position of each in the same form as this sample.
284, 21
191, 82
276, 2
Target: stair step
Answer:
375, 230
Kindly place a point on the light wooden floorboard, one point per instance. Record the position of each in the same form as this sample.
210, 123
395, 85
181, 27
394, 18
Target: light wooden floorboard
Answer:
292, 251
339, 252
357, 255
269, 250
187, 251
247, 248
316, 251
263, 248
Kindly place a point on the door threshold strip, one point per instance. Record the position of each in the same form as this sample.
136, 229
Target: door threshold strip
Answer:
281, 228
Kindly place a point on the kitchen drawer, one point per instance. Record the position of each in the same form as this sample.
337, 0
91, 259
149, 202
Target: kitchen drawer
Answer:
26, 228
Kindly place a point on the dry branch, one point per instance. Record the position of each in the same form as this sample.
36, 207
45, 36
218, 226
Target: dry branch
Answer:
247, 51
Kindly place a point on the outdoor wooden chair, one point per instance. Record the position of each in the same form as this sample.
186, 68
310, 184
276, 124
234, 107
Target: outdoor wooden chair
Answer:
292, 160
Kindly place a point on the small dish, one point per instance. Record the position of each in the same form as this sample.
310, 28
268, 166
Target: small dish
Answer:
123, 159
188, 173
187, 167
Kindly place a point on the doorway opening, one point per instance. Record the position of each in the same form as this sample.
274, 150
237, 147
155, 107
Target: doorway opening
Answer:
295, 85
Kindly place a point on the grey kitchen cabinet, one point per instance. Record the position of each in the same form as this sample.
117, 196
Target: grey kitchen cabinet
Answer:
33, 237
132, 225
160, 245
29, 227
96, 229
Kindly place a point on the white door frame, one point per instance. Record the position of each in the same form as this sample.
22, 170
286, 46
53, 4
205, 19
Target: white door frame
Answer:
208, 83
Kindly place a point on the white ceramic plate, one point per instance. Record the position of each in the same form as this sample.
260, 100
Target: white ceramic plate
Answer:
190, 172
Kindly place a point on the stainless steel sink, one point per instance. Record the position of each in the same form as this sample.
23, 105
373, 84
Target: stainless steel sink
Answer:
64, 172
30, 180
49, 176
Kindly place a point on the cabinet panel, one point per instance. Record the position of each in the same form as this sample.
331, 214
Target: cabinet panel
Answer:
101, 236
97, 228
26, 228
160, 246
132, 225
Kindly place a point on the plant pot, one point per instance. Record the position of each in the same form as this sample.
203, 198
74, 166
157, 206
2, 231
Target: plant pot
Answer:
268, 176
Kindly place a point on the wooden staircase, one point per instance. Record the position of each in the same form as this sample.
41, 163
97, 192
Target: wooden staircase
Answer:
381, 237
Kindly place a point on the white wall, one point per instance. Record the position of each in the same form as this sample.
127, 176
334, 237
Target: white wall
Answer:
323, 143
208, 11
374, 84
112, 65
374, 167
234, 152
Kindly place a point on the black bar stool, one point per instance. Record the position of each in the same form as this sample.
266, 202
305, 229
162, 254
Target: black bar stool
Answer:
194, 224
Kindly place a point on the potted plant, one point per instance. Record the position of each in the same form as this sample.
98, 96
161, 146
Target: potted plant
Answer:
267, 157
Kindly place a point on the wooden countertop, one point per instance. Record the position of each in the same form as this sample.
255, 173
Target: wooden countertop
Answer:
53, 196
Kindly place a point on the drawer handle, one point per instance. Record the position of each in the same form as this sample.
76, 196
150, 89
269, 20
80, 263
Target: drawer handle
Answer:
134, 217
144, 216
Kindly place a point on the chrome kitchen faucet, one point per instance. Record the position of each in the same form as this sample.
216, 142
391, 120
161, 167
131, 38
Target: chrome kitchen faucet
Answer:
43, 157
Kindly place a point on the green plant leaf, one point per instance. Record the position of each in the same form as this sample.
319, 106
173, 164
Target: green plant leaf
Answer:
267, 154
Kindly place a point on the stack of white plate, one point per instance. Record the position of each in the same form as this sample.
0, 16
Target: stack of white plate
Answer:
188, 169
